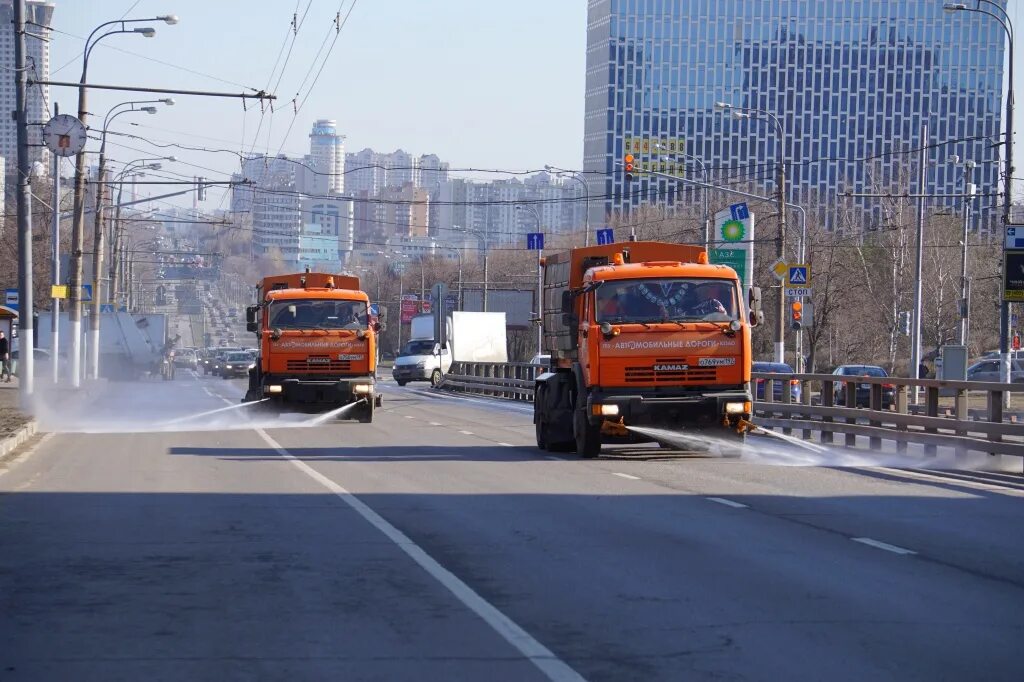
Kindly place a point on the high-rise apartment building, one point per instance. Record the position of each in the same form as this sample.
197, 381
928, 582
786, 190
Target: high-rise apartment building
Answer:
850, 81
39, 13
326, 168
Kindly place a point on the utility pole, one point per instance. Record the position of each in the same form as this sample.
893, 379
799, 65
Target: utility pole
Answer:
77, 245
26, 346
780, 251
55, 266
965, 284
97, 264
922, 176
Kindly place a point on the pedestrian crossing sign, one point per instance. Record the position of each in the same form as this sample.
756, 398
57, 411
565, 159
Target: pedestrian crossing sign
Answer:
799, 276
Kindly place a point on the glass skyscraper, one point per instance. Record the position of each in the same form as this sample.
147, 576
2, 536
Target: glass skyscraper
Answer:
851, 80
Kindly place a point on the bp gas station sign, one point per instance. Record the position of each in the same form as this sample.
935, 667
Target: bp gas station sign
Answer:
732, 243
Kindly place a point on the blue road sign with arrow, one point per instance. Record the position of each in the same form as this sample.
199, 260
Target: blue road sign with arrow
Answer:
534, 241
606, 236
739, 211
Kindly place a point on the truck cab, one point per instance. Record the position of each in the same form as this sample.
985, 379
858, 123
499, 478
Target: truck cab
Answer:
317, 344
642, 335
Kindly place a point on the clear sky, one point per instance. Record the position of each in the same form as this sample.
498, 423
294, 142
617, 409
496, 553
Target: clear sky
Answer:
480, 83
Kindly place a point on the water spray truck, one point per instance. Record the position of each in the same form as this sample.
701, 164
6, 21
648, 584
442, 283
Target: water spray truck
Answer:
642, 334
317, 344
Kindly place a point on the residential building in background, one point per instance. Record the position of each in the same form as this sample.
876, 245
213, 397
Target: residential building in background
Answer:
849, 81
38, 104
297, 205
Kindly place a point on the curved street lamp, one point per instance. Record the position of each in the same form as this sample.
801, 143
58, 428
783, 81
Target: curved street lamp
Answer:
115, 27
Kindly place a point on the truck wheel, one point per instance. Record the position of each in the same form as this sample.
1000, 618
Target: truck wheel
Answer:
365, 415
435, 378
588, 437
539, 426
400, 383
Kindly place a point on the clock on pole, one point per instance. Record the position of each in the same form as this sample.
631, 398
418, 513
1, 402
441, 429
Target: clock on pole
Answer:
64, 135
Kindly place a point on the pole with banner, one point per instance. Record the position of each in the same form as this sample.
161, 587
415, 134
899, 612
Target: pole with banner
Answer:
733, 242
535, 242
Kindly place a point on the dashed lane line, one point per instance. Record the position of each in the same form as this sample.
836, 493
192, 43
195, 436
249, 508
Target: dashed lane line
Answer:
467, 433
622, 475
728, 503
878, 544
547, 662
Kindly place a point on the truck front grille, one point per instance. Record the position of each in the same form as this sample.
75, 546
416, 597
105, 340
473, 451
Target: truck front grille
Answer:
319, 364
648, 375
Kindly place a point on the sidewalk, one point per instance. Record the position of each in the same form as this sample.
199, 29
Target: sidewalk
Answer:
11, 419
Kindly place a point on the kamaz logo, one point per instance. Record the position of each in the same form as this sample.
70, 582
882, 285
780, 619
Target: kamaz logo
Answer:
671, 368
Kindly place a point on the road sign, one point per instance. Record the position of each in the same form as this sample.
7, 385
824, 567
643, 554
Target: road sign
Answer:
106, 307
606, 236
799, 276
1013, 276
11, 297
534, 241
780, 269
86, 292
1014, 237
798, 292
58, 291
739, 211
374, 309
733, 244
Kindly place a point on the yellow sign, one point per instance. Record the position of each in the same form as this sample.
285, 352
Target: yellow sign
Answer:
654, 145
59, 291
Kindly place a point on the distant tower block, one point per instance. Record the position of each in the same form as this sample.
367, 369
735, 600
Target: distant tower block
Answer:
327, 152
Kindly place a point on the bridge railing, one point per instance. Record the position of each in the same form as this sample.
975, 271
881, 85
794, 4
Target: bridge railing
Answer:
840, 409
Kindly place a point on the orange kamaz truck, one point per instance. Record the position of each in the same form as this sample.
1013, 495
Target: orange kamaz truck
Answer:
643, 334
317, 344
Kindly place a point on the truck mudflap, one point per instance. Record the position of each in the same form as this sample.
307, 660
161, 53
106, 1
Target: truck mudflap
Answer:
730, 409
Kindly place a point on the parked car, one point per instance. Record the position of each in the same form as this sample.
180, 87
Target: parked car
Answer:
863, 391
988, 370
775, 368
237, 364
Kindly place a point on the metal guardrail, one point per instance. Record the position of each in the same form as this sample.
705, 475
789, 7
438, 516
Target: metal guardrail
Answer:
882, 413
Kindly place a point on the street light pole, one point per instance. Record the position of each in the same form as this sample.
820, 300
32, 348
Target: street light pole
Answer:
780, 191
26, 309
586, 200
55, 266
704, 194
965, 283
98, 244
540, 283
78, 220
1004, 308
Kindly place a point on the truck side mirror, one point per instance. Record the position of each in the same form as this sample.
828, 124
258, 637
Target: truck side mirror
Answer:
568, 303
378, 327
756, 312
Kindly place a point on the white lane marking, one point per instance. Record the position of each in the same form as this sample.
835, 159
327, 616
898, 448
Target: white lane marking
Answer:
467, 433
506, 445
495, 402
728, 503
409, 416
434, 424
632, 478
878, 544
553, 667
555, 459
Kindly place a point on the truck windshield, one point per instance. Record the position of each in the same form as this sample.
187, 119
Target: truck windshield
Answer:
418, 347
666, 300
318, 314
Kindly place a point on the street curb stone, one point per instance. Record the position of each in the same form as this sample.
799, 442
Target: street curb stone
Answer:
18, 438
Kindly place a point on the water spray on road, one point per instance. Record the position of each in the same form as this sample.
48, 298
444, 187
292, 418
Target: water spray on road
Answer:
199, 415
333, 414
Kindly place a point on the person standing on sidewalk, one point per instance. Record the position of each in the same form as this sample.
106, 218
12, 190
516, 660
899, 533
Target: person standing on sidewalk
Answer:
5, 358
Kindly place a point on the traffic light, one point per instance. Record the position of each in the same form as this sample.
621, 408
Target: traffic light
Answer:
628, 162
796, 315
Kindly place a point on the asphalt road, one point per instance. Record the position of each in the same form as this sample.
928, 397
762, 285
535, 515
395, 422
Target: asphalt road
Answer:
438, 544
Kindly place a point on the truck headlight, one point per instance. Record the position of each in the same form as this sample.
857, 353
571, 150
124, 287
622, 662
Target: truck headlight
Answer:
252, 366
610, 410
275, 388
362, 389
737, 408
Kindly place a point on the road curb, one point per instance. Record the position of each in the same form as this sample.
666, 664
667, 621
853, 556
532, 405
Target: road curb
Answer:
18, 438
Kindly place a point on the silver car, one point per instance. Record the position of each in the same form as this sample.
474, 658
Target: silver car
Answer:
988, 370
